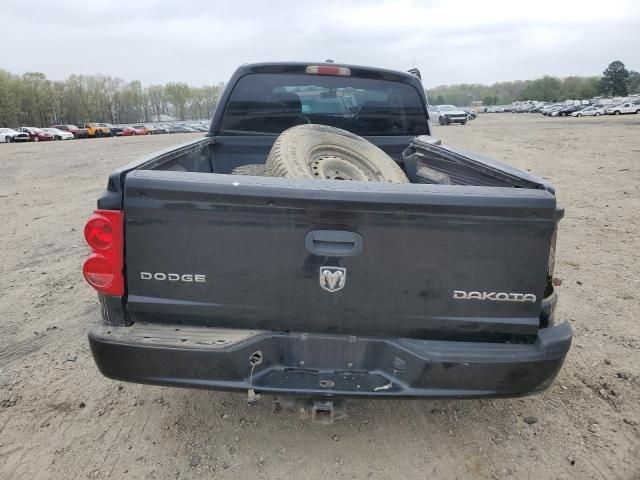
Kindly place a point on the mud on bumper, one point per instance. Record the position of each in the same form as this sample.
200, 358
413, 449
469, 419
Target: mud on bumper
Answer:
327, 365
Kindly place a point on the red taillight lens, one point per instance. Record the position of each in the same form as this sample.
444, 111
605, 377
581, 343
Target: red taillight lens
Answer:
98, 271
103, 269
98, 232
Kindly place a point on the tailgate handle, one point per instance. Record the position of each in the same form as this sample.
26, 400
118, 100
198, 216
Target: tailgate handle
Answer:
333, 243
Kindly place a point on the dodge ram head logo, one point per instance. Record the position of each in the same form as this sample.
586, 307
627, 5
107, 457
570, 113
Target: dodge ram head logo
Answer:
333, 279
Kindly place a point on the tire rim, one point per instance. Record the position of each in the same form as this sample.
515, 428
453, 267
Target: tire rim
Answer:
342, 165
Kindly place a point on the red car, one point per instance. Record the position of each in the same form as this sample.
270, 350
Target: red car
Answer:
130, 131
77, 132
36, 134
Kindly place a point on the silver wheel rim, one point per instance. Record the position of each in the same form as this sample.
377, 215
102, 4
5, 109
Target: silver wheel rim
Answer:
338, 164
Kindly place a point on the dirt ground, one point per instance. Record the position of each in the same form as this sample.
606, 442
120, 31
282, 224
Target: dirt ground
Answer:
59, 418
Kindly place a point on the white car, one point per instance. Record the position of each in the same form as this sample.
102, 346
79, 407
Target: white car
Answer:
448, 114
9, 135
592, 111
59, 134
628, 107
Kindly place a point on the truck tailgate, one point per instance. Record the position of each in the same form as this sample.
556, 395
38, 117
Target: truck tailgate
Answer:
417, 261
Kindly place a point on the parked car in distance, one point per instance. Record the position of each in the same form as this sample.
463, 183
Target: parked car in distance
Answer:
135, 130
153, 129
95, 130
142, 128
471, 115
628, 107
495, 109
198, 127
36, 134
76, 131
448, 114
548, 109
591, 111
567, 110
182, 129
59, 134
163, 129
113, 130
9, 135
606, 106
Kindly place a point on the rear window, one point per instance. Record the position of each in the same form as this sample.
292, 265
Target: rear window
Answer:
270, 103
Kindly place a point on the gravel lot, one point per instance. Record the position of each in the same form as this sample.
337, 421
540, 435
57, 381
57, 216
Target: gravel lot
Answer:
59, 418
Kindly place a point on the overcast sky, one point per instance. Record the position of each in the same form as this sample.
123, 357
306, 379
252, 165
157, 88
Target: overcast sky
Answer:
202, 41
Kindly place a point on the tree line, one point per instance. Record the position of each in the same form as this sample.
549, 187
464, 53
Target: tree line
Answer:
616, 80
34, 100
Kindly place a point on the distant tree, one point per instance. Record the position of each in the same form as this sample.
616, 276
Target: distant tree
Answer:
36, 99
590, 88
464, 94
157, 100
113, 95
211, 96
615, 79
132, 103
196, 103
578, 88
546, 89
33, 100
634, 82
9, 99
178, 94
490, 100
569, 88
440, 100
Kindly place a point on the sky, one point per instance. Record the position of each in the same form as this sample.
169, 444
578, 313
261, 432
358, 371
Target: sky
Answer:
201, 42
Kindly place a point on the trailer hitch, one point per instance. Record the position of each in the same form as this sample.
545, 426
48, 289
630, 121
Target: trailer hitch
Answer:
323, 411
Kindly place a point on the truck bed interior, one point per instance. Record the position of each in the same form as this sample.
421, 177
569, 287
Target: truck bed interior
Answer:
423, 161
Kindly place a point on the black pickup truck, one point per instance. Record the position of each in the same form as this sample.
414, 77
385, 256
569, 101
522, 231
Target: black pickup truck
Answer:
326, 289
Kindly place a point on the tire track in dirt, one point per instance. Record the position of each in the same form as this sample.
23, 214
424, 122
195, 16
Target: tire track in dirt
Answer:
73, 327
23, 348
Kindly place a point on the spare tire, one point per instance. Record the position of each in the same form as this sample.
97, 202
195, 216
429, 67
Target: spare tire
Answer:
321, 152
255, 169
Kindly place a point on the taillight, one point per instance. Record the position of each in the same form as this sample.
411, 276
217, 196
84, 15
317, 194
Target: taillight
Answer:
328, 70
103, 268
99, 232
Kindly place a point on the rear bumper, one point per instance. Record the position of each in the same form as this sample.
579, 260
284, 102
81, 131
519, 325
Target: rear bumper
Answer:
327, 365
